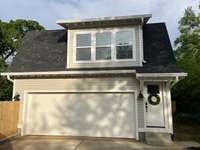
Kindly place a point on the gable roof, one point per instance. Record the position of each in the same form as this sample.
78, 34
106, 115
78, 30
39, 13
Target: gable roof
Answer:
47, 51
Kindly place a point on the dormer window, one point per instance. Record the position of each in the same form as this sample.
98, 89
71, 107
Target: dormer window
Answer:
104, 45
124, 45
83, 47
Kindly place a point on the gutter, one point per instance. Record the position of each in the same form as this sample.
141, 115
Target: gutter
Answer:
88, 72
182, 74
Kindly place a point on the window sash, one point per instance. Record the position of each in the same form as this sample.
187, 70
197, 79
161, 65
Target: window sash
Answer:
78, 52
112, 46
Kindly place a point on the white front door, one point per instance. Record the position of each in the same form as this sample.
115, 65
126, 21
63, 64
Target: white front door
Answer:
154, 106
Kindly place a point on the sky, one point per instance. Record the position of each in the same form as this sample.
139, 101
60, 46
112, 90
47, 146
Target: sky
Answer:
46, 12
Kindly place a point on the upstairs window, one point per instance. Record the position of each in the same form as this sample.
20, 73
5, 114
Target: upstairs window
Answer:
114, 44
83, 47
103, 46
124, 45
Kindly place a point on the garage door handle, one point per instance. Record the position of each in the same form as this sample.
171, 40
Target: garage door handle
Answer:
146, 106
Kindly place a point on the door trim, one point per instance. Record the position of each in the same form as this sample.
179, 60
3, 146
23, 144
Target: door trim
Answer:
81, 91
162, 87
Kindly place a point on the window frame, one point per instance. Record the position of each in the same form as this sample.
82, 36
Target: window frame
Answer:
83, 47
113, 44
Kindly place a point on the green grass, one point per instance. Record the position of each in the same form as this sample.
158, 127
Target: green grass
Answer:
186, 130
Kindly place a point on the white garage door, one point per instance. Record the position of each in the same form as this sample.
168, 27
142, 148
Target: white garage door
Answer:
80, 114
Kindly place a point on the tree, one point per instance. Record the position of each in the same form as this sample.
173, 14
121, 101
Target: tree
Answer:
5, 85
187, 92
11, 34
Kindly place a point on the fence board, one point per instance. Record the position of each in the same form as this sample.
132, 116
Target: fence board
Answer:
9, 111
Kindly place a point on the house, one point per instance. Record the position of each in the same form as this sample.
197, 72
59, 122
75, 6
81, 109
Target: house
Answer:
101, 77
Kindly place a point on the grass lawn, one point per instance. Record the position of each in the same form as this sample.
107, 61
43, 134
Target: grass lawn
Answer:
186, 130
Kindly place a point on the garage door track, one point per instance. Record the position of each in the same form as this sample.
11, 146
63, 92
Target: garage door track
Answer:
63, 143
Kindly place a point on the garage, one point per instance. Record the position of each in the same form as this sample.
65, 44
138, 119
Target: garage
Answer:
93, 114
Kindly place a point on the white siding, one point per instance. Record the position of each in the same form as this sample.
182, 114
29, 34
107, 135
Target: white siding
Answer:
63, 84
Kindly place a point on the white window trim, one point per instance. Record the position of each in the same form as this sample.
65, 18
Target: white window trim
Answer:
113, 44
107, 46
91, 46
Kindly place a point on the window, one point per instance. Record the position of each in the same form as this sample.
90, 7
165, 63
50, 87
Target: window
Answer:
115, 44
103, 46
83, 47
124, 45
153, 89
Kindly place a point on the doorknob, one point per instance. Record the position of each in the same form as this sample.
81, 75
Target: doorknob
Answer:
146, 106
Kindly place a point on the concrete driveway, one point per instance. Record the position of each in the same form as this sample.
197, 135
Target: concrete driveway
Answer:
66, 143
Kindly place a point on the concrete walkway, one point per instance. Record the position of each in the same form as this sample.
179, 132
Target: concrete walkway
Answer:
63, 143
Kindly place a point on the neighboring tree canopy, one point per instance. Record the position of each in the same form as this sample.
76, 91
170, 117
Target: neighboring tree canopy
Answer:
187, 92
5, 85
11, 34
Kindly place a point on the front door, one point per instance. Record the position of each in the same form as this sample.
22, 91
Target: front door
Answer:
154, 106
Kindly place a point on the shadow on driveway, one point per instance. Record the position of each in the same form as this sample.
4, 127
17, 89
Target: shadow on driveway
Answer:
5, 145
72, 143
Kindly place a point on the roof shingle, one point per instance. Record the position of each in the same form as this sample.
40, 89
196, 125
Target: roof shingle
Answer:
47, 51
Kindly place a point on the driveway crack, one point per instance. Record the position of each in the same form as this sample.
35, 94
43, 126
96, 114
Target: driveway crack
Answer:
78, 145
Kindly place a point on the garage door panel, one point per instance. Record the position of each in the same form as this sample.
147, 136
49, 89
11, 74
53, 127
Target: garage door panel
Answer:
81, 114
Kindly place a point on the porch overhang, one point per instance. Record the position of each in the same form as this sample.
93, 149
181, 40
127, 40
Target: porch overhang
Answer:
170, 78
155, 75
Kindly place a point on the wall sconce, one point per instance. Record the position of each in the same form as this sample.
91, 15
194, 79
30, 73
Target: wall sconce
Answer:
140, 96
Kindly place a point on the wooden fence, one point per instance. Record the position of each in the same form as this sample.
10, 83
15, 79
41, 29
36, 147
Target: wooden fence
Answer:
9, 111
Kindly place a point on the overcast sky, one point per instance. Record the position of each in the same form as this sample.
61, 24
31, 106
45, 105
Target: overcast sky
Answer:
46, 12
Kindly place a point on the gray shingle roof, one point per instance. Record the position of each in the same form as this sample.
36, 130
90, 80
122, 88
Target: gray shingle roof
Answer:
47, 51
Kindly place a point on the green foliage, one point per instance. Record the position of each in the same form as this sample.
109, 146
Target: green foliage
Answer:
187, 91
5, 85
11, 34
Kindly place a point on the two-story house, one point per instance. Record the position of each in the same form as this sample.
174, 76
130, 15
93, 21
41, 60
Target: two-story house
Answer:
101, 77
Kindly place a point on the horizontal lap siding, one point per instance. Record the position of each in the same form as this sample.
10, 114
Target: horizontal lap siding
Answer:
64, 84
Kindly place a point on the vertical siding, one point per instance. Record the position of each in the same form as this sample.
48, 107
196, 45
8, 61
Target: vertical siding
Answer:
140, 113
8, 118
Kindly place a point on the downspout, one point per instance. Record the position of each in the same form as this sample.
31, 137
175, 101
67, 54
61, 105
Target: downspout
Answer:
11, 80
142, 20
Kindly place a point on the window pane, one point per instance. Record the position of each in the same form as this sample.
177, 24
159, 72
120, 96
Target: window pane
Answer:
103, 39
83, 53
83, 40
124, 38
153, 89
124, 52
103, 53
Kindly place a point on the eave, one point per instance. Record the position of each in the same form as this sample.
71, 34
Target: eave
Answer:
68, 73
105, 21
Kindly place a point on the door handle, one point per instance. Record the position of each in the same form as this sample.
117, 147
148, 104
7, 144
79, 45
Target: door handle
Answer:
146, 106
